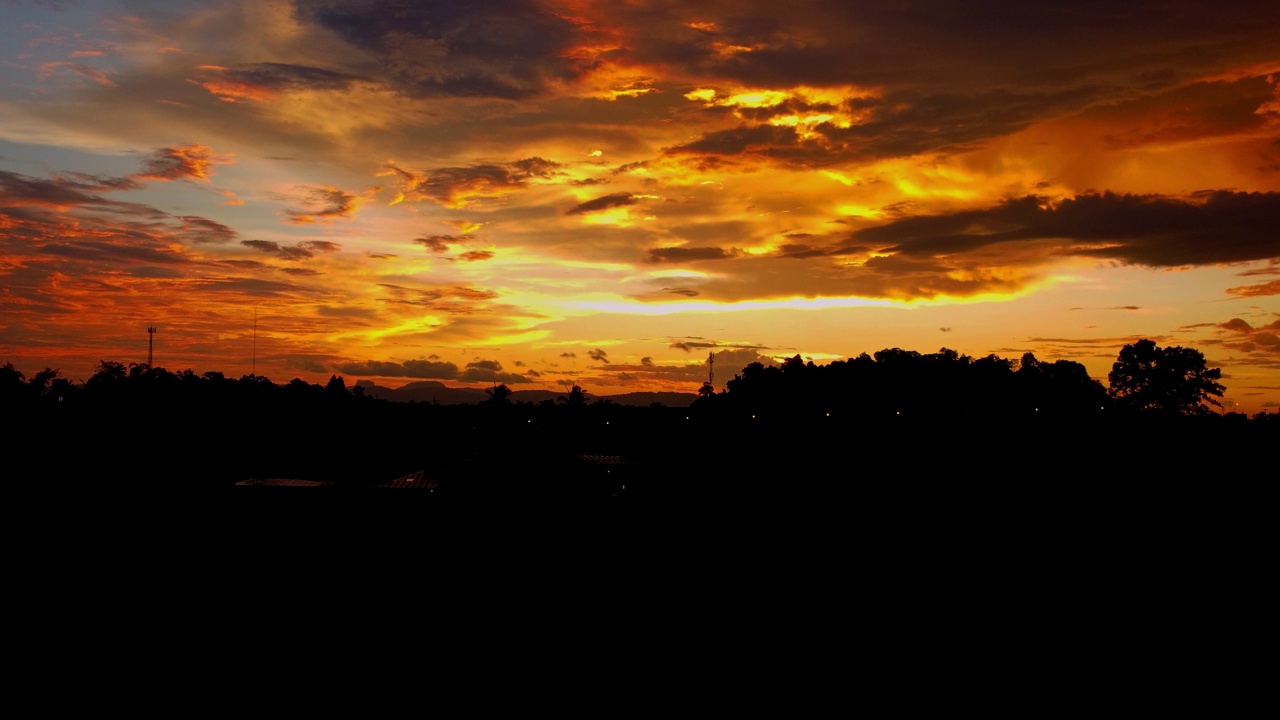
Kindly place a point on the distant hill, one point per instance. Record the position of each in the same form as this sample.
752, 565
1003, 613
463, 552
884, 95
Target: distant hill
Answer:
434, 391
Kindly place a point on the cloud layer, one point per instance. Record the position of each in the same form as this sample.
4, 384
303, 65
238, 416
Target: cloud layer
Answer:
550, 193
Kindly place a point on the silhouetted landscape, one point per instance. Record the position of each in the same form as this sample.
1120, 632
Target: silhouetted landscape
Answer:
897, 418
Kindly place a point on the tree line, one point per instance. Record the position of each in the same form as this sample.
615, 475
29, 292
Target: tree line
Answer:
1146, 380
155, 424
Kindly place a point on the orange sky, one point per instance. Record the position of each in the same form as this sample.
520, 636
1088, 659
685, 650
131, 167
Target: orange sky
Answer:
603, 193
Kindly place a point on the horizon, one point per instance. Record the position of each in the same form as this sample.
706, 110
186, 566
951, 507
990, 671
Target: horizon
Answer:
606, 195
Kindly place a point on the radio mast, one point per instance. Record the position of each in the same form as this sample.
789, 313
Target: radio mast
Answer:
151, 345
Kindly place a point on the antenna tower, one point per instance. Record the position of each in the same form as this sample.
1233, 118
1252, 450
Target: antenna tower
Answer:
711, 368
151, 345
254, 371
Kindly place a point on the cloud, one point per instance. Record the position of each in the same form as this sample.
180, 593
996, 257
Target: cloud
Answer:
1261, 343
604, 202
300, 251
490, 371
1150, 230
476, 255
323, 204
441, 243
598, 355
203, 231
190, 162
457, 187
95, 74
689, 254
1271, 287
503, 49
20, 190
454, 299
265, 81
417, 369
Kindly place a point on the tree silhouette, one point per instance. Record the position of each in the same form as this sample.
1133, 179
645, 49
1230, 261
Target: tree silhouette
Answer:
575, 398
498, 394
1172, 380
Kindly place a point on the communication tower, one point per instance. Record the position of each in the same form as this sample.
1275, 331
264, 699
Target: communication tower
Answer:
151, 345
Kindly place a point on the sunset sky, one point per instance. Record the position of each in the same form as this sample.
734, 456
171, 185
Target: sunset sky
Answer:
555, 193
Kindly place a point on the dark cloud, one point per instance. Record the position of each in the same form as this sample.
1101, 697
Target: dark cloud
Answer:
500, 48
689, 254
604, 202
205, 231
891, 127
687, 292
940, 43
323, 204
189, 162
598, 355
1156, 231
476, 255
490, 371
447, 299
441, 243
459, 186
1271, 287
96, 183
690, 346
1241, 336
534, 167
417, 369
629, 167
300, 251
793, 250
259, 81
17, 189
